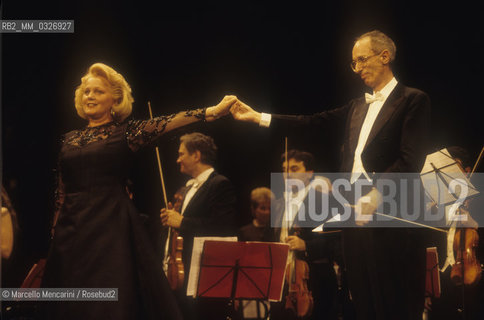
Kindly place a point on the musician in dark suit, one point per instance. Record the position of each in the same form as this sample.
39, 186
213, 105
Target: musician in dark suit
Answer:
295, 227
382, 132
208, 208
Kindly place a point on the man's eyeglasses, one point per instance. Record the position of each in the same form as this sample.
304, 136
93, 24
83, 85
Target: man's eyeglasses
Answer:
361, 60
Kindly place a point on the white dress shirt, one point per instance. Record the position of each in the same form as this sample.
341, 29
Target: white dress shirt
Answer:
370, 118
292, 205
195, 184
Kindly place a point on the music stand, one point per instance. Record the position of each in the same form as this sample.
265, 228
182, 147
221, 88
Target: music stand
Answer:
242, 270
432, 278
34, 277
439, 171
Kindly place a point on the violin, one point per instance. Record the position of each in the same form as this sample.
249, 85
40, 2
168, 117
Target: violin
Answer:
175, 270
299, 299
467, 268
172, 261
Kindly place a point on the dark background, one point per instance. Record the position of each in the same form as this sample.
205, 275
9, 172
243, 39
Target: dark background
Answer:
281, 58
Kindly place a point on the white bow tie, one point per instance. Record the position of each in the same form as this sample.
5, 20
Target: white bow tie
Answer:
370, 98
192, 183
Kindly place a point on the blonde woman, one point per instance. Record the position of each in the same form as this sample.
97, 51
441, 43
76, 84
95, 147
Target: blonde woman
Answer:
98, 239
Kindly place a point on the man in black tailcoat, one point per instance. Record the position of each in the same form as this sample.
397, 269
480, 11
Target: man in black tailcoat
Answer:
384, 132
208, 209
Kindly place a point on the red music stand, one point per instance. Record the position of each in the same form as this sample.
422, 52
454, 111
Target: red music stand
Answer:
34, 277
242, 270
432, 279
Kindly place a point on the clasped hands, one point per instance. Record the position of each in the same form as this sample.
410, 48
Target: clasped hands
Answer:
231, 104
365, 207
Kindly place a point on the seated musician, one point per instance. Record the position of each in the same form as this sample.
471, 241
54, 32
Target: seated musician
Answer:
260, 206
319, 250
208, 209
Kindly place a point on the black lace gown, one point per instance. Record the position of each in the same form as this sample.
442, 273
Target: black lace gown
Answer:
99, 240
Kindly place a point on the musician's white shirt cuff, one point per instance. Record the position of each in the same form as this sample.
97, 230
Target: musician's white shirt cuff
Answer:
265, 120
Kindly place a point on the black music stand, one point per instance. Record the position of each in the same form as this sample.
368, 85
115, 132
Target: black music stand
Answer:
242, 271
439, 171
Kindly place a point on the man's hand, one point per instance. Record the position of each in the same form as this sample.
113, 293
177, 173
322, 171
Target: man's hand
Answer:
171, 218
295, 243
242, 112
221, 109
366, 207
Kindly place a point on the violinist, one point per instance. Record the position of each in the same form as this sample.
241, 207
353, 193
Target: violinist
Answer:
456, 301
318, 251
208, 209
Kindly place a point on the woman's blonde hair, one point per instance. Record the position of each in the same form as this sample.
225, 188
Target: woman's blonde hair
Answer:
259, 195
123, 100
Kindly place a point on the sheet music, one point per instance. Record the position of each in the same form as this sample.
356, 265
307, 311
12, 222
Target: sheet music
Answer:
451, 173
195, 263
336, 218
441, 158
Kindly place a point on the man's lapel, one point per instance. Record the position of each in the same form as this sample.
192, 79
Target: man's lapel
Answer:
386, 112
198, 195
357, 117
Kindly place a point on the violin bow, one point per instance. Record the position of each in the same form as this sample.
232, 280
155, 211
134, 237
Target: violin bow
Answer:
159, 164
287, 177
477, 162
167, 243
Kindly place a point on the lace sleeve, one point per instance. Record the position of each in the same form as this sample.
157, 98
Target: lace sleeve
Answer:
140, 133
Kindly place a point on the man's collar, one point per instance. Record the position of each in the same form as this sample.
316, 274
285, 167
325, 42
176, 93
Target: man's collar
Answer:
388, 88
202, 177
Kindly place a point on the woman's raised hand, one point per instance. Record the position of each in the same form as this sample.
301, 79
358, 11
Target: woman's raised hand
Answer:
220, 109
